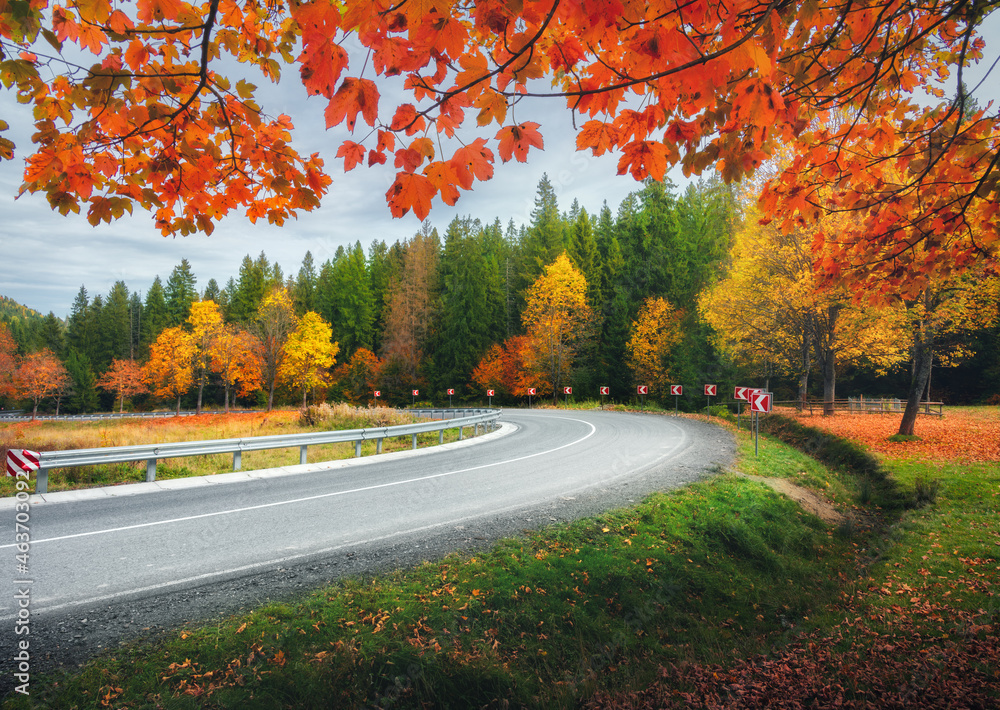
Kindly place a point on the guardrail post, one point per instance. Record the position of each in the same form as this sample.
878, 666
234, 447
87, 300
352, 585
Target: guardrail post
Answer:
42, 480
237, 460
440, 436
357, 448
414, 441
150, 470
461, 432
303, 456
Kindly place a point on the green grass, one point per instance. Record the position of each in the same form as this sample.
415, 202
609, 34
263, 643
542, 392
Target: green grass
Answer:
719, 571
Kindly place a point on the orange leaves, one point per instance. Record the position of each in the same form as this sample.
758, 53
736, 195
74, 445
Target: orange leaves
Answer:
352, 153
354, 96
410, 191
599, 136
644, 159
960, 436
322, 63
515, 141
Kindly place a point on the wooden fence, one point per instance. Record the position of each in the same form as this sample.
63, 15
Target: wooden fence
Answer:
861, 405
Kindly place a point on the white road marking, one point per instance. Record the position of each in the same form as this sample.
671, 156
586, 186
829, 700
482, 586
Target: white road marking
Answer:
593, 430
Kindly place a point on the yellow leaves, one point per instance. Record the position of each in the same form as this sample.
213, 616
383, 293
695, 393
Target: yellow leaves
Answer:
654, 333
309, 353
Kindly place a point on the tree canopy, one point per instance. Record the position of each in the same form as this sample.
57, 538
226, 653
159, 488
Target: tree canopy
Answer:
153, 121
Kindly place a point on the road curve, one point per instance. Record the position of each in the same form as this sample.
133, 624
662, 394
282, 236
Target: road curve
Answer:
102, 568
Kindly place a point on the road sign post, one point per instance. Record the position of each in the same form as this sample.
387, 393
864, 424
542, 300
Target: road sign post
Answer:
676, 391
450, 393
710, 391
489, 394
415, 393
740, 394
604, 391
567, 391
760, 403
531, 391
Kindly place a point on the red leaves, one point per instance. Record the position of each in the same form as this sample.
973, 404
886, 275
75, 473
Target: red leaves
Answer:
352, 153
353, 96
322, 63
410, 191
515, 141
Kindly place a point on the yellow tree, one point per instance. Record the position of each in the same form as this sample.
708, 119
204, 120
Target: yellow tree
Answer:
274, 321
169, 372
205, 323
770, 310
235, 357
38, 376
556, 317
655, 331
309, 354
125, 378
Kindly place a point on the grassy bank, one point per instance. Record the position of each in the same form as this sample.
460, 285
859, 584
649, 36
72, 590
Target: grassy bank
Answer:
723, 592
63, 435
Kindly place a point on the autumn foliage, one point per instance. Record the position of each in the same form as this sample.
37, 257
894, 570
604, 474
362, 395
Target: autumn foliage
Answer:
960, 436
125, 378
153, 123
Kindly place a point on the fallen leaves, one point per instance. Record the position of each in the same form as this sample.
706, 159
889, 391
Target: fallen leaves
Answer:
962, 436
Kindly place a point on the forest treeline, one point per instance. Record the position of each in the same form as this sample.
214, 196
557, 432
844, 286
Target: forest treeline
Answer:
679, 287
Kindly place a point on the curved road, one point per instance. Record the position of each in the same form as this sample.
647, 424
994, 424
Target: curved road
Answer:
102, 568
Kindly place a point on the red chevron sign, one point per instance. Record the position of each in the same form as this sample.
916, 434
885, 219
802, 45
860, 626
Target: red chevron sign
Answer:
677, 390
761, 402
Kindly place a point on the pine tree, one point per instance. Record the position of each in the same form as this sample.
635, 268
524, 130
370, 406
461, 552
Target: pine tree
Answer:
154, 314
304, 289
180, 293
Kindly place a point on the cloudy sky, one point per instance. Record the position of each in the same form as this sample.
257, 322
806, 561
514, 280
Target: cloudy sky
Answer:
47, 257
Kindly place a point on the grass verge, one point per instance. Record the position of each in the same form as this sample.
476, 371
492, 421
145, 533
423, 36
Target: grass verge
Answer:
723, 592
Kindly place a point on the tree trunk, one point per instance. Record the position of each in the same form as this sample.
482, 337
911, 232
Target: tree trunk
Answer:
303, 397
829, 383
226, 395
923, 352
178, 406
270, 397
121, 404
201, 389
804, 377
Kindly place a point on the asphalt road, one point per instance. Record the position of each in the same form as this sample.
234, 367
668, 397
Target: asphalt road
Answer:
105, 571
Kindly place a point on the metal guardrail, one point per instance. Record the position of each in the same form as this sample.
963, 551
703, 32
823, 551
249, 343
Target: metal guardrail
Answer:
863, 406
151, 453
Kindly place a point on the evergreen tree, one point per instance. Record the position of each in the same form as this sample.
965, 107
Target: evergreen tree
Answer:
154, 314
245, 299
464, 328
115, 329
544, 240
304, 288
136, 324
180, 293
353, 306
53, 334
84, 397
212, 292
